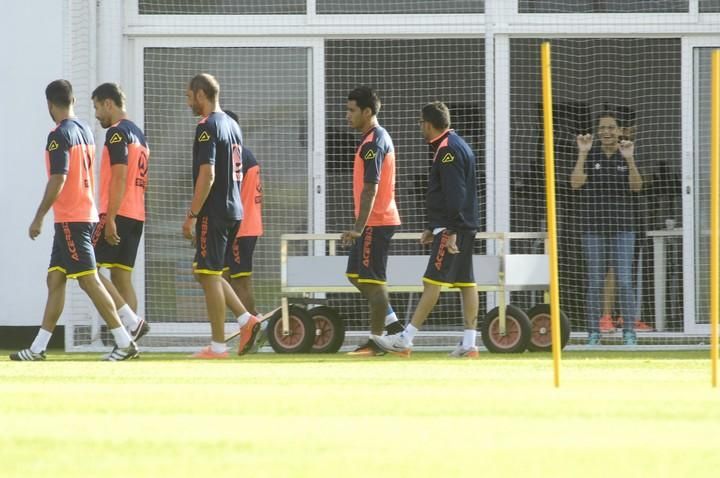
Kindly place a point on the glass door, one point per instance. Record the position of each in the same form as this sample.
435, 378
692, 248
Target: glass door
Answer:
696, 190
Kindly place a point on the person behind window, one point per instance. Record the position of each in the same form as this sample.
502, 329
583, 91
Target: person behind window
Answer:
608, 179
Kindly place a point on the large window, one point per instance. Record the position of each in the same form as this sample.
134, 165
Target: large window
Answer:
603, 6
268, 89
398, 6
639, 81
222, 7
709, 6
407, 74
299, 7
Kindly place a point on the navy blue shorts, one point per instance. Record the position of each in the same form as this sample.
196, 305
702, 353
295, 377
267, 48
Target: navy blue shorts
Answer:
72, 251
239, 256
368, 257
451, 270
213, 238
123, 255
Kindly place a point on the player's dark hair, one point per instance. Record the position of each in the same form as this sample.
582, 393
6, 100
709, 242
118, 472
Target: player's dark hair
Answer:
437, 114
110, 91
624, 115
233, 115
60, 93
206, 83
607, 114
365, 97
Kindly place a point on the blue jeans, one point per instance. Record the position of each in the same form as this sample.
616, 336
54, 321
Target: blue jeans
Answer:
601, 253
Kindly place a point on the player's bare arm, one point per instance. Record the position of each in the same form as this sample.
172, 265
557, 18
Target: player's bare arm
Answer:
205, 180
117, 192
426, 238
52, 191
451, 244
367, 200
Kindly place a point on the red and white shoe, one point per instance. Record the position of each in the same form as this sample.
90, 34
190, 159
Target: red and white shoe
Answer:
141, 330
395, 344
368, 349
248, 334
461, 352
208, 354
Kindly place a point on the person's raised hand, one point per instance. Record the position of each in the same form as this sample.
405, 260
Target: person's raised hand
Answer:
584, 142
627, 149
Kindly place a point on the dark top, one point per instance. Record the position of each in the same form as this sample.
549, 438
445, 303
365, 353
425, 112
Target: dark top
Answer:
452, 193
608, 205
70, 133
218, 142
373, 153
248, 160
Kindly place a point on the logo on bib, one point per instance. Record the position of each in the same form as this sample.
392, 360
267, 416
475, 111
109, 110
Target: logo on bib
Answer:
448, 158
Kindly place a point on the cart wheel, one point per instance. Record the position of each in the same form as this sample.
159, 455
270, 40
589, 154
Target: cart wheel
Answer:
329, 330
541, 338
517, 331
302, 331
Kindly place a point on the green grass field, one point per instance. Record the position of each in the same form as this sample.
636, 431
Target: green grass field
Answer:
616, 414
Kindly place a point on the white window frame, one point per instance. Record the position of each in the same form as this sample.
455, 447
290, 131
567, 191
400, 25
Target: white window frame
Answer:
689, 102
497, 25
135, 74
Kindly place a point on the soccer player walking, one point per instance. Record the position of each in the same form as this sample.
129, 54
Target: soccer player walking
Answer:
123, 178
376, 214
70, 156
452, 212
239, 256
215, 212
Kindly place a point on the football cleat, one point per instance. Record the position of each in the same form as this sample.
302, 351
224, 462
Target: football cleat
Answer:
461, 352
208, 354
27, 355
248, 334
262, 338
394, 328
119, 354
395, 344
368, 349
141, 330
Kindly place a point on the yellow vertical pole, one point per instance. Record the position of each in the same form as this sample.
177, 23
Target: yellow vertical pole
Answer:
714, 214
550, 204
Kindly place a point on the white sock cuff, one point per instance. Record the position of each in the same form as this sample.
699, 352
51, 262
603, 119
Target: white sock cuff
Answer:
243, 318
469, 337
410, 332
41, 341
218, 347
121, 336
391, 319
128, 317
